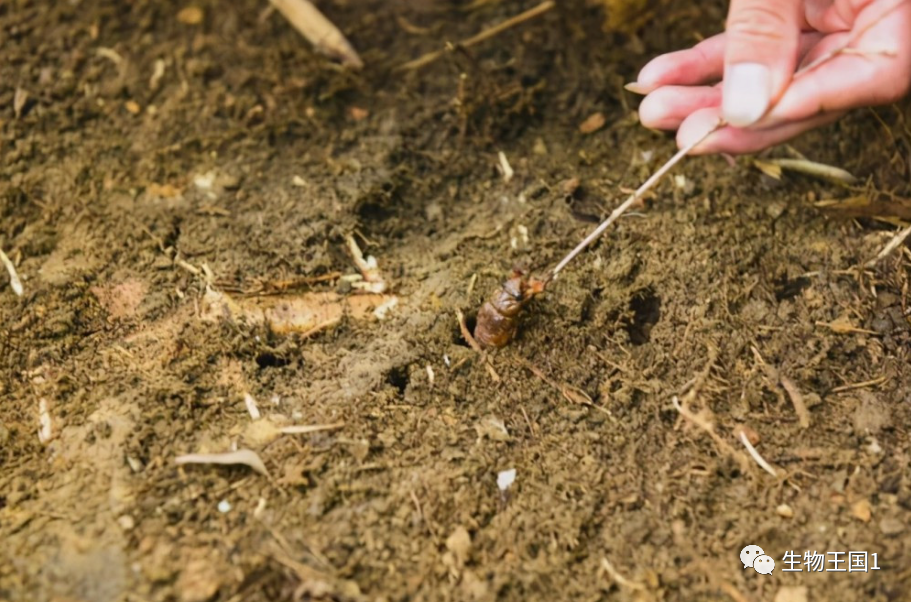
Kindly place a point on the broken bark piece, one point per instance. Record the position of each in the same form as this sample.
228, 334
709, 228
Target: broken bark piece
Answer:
305, 314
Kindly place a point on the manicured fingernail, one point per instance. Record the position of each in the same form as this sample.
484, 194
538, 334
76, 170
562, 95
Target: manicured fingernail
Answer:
637, 88
745, 93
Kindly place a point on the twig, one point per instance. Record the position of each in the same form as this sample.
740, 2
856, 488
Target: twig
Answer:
570, 392
14, 281
803, 414
895, 243
252, 408
420, 509
304, 429
755, 454
707, 427
620, 579
482, 36
866, 383
319, 31
466, 334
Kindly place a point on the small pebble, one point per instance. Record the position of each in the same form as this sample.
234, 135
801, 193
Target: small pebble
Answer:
224, 506
191, 15
891, 526
785, 511
126, 522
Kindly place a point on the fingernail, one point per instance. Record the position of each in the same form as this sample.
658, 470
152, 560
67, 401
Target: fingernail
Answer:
745, 93
637, 88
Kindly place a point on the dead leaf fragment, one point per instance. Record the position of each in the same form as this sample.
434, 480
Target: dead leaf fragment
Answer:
843, 325
459, 543
862, 511
358, 114
305, 314
20, 97
199, 578
121, 301
191, 15
593, 123
770, 169
163, 191
247, 457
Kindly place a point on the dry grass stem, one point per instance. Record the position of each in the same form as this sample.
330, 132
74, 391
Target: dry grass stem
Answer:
803, 414
895, 243
709, 429
466, 334
861, 385
14, 281
303, 429
326, 38
620, 579
812, 168
482, 36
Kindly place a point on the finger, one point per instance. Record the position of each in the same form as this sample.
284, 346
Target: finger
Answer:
842, 14
702, 63
865, 77
760, 56
740, 141
668, 106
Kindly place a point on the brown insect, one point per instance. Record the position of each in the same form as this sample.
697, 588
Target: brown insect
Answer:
498, 318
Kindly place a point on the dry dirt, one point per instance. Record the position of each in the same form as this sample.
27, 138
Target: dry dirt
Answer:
145, 159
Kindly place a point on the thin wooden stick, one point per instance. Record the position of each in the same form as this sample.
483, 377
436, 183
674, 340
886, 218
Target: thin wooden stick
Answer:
480, 37
683, 152
320, 31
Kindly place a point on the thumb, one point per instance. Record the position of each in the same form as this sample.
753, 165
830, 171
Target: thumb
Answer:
760, 56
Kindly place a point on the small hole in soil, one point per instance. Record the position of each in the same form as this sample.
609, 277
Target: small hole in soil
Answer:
374, 212
589, 304
470, 322
646, 308
398, 378
270, 360
788, 289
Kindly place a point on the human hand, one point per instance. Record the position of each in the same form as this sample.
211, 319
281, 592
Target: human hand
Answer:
765, 43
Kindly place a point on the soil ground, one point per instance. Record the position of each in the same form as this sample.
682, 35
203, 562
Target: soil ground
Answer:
140, 151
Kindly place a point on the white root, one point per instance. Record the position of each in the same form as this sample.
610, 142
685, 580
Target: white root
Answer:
755, 454
252, 408
303, 429
45, 430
